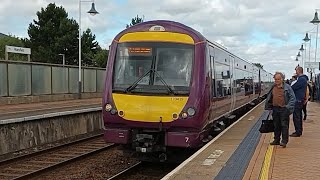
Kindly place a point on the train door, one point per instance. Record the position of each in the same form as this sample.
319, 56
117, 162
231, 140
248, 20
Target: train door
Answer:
213, 82
232, 83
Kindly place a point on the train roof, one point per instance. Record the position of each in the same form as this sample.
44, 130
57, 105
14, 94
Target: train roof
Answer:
170, 26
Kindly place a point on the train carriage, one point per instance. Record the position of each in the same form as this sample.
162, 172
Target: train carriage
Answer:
168, 86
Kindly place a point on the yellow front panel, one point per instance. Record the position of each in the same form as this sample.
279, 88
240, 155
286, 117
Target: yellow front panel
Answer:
149, 108
157, 36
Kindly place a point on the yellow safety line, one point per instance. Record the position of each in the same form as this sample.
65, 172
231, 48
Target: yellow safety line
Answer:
264, 173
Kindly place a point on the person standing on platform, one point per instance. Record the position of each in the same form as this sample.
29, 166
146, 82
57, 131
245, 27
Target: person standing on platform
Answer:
281, 100
299, 89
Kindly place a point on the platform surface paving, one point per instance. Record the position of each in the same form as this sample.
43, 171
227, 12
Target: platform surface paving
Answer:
32, 109
299, 160
208, 162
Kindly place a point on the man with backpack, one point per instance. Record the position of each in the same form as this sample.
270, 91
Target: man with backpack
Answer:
299, 88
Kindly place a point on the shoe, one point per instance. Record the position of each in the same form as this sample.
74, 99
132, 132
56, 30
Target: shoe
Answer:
275, 143
294, 135
283, 145
305, 117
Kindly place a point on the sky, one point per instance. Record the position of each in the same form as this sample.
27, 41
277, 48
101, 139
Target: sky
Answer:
267, 32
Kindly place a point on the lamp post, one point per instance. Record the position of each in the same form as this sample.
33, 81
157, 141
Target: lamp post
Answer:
93, 12
63, 59
307, 39
302, 49
316, 22
298, 55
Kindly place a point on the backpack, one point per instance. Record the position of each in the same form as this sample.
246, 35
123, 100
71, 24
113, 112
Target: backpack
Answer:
307, 95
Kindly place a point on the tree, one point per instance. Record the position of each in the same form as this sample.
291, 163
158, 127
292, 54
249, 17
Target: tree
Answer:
101, 58
134, 21
53, 34
11, 41
258, 65
89, 48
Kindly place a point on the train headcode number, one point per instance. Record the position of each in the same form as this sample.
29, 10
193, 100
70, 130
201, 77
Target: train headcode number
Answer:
177, 99
187, 139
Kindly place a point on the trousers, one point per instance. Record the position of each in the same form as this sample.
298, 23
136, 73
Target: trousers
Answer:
280, 117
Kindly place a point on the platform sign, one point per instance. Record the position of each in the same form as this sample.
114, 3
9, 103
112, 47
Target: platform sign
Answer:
312, 65
18, 50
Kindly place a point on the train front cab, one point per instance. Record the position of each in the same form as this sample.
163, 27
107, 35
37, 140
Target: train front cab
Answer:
165, 89
151, 104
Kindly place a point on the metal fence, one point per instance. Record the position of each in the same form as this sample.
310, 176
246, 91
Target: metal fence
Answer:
24, 78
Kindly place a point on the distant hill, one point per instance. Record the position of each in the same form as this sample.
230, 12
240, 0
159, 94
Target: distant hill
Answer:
2, 35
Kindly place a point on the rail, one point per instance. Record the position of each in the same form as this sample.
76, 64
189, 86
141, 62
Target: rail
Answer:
31, 165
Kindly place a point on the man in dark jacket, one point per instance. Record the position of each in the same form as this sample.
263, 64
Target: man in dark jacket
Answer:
281, 101
299, 89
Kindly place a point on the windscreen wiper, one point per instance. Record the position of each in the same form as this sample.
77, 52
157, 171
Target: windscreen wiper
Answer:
134, 84
163, 82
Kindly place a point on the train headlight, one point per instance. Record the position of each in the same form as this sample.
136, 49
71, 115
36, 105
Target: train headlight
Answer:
184, 115
108, 107
191, 111
121, 113
175, 116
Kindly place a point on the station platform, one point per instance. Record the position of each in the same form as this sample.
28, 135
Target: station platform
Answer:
33, 109
25, 128
299, 160
242, 152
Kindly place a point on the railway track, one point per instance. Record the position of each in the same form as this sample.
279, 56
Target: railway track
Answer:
126, 171
34, 164
144, 170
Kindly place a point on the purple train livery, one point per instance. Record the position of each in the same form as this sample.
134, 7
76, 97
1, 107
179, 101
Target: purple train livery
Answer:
167, 87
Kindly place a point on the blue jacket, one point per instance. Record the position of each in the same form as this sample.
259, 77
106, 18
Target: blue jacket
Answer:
289, 98
299, 88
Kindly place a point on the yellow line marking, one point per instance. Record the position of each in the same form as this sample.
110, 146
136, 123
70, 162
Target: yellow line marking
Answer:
264, 173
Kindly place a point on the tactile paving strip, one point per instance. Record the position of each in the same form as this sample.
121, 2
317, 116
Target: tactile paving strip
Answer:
239, 161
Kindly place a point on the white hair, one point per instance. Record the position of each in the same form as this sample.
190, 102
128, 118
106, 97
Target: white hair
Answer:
281, 74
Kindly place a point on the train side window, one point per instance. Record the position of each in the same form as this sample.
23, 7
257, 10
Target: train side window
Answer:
222, 79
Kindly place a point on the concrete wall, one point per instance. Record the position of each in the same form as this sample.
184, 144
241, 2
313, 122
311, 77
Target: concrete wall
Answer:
26, 82
23, 135
46, 98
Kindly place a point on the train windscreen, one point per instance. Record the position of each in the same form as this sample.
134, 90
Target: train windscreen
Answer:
153, 68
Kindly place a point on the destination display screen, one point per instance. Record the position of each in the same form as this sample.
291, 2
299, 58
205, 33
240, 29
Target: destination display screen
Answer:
136, 51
